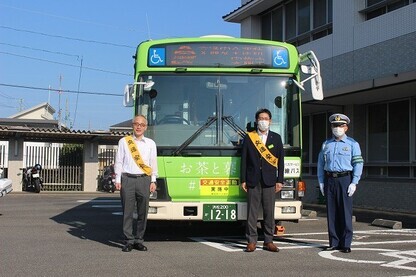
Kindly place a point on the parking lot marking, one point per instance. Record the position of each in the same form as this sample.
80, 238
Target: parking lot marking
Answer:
329, 255
235, 244
106, 203
98, 201
404, 257
106, 206
306, 240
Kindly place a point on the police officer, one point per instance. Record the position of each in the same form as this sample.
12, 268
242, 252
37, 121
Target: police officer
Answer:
340, 165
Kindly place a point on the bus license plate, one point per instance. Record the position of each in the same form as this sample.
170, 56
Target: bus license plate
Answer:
219, 212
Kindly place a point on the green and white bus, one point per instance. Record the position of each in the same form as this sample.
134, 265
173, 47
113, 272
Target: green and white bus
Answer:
200, 96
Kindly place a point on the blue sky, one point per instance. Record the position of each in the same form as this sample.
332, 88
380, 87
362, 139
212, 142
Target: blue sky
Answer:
43, 44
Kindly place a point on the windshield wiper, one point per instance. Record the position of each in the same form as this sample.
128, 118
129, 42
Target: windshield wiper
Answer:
227, 119
194, 136
230, 121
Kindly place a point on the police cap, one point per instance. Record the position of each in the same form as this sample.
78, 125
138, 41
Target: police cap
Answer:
339, 118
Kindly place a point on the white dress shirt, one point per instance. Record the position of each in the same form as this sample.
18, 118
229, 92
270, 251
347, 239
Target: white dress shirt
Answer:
124, 160
263, 137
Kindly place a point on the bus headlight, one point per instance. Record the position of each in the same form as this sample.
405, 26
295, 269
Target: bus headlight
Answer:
287, 194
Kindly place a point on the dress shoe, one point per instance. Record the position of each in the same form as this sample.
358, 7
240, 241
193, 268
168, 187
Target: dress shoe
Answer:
332, 248
251, 247
140, 247
127, 248
346, 250
270, 246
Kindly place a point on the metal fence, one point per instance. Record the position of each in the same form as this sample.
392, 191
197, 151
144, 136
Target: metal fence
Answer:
61, 165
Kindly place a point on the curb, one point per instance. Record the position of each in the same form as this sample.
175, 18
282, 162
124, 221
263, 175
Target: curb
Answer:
309, 213
387, 223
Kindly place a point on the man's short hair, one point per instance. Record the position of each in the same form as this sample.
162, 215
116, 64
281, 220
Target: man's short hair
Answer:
263, 111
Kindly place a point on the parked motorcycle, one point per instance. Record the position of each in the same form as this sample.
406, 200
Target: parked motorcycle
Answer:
31, 178
108, 179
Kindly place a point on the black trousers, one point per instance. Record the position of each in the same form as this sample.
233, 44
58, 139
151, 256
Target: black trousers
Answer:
339, 211
135, 192
264, 197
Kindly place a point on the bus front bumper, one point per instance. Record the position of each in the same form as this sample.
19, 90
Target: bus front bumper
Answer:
160, 210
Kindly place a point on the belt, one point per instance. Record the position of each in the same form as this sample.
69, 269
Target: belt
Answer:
337, 174
134, 175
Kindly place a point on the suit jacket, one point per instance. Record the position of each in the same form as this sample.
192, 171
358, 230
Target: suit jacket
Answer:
254, 168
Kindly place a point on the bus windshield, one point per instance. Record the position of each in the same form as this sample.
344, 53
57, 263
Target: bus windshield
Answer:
216, 106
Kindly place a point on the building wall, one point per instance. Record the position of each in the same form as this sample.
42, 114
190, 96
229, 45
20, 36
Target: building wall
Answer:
360, 50
373, 194
368, 61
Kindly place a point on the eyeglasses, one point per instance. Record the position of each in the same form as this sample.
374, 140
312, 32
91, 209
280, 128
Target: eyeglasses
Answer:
139, 125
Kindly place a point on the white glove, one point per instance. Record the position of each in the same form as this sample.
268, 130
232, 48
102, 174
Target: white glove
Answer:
351, 189
321, 187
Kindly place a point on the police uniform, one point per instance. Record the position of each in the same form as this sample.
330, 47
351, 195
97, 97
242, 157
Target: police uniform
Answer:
340, 166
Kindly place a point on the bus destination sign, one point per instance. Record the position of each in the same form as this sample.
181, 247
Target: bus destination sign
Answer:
216, 54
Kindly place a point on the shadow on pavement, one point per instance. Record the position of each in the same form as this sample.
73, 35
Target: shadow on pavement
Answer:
89, 223
97, 221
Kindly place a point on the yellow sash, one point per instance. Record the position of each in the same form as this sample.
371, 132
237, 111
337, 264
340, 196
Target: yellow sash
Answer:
136, 156
263, 150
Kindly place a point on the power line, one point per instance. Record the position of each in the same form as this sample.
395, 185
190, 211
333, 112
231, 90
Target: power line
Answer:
61, 90
7, 106
7, 96
68, 38
72, 19
41, 50
65, 64
86, 21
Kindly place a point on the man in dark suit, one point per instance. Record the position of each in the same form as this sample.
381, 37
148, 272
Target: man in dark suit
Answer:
262, 164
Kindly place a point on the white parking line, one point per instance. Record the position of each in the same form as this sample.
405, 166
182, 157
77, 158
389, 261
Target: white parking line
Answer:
106, 203
304, 240
99, 201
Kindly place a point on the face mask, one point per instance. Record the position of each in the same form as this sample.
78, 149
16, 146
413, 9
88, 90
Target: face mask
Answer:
263, 125
338, 131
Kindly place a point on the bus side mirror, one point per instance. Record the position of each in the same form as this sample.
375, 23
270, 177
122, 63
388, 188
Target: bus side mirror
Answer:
129, 91
128, 100
311, 68
316, 88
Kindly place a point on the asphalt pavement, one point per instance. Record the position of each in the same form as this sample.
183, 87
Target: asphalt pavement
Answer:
79, 234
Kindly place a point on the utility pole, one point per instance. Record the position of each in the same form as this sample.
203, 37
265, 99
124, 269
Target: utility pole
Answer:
59, 103
21, 104
67, 114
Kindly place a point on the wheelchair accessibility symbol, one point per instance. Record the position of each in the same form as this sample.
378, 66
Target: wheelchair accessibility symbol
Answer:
280, 58
157, 56
395, 258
